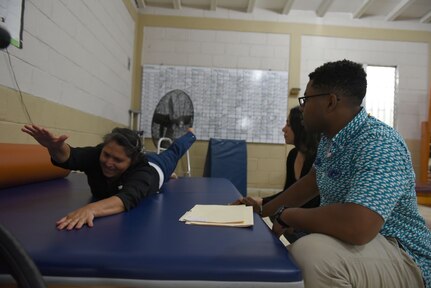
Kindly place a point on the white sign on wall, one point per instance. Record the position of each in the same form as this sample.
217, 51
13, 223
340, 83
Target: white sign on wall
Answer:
236, 104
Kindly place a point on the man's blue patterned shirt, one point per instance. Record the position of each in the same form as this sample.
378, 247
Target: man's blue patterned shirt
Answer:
368, 163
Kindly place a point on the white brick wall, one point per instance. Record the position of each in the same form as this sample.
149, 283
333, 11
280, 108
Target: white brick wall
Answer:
211, 48
75, 53
411, 60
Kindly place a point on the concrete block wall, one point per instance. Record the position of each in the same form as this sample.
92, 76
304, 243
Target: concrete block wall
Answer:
226, 49
215, 48
410, 59
266, 168
75, 53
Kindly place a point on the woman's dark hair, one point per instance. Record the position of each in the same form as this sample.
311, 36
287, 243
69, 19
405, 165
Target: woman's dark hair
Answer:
128, 139
304, 141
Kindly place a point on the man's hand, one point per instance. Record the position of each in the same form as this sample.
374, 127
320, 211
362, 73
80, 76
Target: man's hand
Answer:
279, 226
277, 229
256, 202
77, 219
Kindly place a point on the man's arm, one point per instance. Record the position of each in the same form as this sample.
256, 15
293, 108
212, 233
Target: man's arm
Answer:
296, 195
351, 223
348, 222
86, 214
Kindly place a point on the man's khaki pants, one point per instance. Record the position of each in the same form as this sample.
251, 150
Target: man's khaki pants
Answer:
328, 262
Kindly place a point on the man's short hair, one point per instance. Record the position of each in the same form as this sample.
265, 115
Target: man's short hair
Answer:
344, 78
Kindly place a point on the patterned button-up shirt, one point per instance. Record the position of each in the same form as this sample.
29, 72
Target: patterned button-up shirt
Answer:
368, 163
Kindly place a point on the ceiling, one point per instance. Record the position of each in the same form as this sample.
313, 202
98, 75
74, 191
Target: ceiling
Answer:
384, 11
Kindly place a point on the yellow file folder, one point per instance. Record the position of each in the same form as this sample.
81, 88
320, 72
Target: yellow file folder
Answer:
219, 215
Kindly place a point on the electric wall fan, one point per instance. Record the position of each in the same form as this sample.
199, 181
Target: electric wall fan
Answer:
172, 116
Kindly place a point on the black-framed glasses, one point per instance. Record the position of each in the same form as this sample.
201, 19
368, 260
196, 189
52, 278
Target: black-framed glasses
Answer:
302, 100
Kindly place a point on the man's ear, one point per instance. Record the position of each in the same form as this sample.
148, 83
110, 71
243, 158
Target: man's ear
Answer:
332, 102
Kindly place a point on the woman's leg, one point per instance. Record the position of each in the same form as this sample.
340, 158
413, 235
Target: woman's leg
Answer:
168, 159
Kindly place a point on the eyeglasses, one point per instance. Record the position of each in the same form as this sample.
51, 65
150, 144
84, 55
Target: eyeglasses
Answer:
302, 100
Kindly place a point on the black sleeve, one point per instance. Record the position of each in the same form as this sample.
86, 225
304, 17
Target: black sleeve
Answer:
308, 163
138, 184
290, 174
290, 168
82, 158
290, 178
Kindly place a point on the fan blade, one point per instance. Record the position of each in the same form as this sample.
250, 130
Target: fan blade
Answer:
162, 119
169, 133
171, 107
182, 120
162, 130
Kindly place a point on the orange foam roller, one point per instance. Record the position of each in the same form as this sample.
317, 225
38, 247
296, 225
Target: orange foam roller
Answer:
26, 163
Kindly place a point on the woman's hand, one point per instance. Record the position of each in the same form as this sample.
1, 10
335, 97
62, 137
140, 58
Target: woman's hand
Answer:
44, 137
256, 202
85, 215
56, 146
77, 219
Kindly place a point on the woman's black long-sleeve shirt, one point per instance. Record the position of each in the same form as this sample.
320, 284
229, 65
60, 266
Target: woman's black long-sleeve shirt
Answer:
290, 178
137, 182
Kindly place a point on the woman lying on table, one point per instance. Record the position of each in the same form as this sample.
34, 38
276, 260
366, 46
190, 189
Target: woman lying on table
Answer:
120, 175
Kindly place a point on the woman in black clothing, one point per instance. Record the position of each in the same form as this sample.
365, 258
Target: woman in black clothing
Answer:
119, 174
299, 160
301, 157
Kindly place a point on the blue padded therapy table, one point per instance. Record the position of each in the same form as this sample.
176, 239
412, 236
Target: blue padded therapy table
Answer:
147, 246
